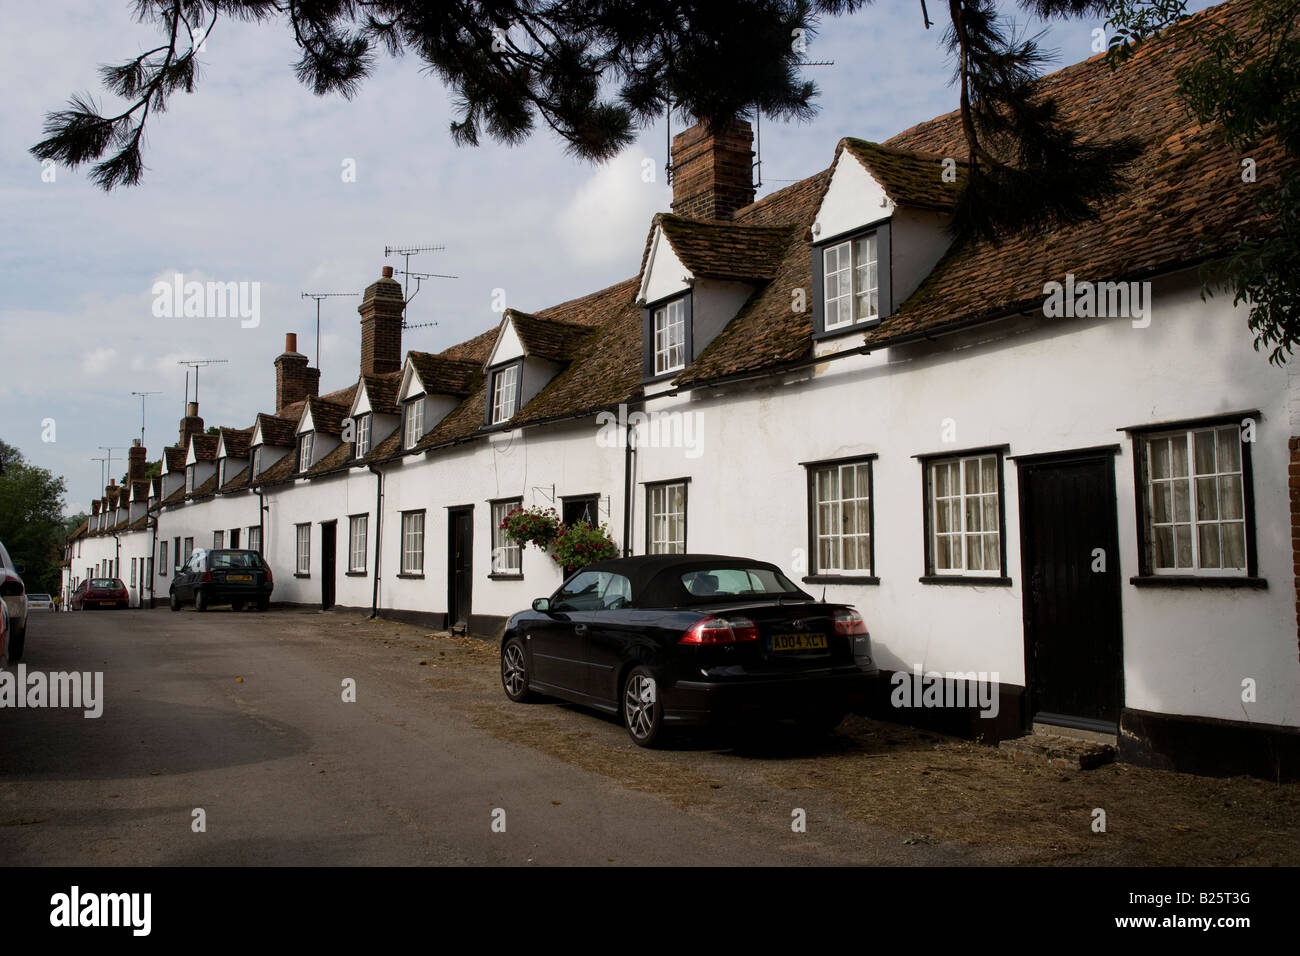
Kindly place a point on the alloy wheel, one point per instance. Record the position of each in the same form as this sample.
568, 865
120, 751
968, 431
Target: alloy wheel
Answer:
639, 706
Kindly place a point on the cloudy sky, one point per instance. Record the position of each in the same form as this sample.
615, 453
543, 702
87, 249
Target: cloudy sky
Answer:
245, 184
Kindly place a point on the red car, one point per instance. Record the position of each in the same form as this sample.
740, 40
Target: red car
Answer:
100, 593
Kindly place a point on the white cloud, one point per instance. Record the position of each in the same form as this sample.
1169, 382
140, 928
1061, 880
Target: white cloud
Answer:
607, 219
98, 361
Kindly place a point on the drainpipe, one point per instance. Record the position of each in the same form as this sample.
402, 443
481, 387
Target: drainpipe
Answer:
117, 557
379, 531
153, 554
627, 489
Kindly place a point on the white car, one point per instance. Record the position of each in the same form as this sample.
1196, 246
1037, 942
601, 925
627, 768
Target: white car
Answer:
14, 595
40, 602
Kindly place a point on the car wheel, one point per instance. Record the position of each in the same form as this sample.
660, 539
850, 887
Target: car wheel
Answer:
264, 604
175, 602
643, 714
514, 671
236, 605
200, 600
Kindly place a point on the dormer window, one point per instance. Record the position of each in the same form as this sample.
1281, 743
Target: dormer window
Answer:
189, 479
413, 422
221, 473
505, 393
363, 436
670, 337
852, 282
304, 451
852, 286
257, 462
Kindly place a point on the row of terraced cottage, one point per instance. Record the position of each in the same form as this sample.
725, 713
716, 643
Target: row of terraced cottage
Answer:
1095, 512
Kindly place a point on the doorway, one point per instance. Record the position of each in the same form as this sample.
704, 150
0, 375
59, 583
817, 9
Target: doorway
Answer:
460, 564
328, 556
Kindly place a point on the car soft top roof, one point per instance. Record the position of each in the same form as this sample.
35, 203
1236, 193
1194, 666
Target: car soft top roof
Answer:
656, 578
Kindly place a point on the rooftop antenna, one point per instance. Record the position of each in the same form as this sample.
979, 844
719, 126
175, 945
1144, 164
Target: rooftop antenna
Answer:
195, 364
406, 252
318, 296
419, 277
142, 396
110, 450
758, 128
101, 459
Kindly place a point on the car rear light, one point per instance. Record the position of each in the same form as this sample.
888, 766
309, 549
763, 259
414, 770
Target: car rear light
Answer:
718, 630
207, 577
269, 578
849, 622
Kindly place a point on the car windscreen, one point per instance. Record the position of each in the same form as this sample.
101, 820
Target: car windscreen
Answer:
38, 597
105, 584
244, 560
737, 583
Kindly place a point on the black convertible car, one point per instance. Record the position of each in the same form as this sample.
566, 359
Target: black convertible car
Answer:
670, 640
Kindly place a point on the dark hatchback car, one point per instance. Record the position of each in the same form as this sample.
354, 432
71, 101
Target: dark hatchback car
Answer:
223, 576
674, 640
99, 593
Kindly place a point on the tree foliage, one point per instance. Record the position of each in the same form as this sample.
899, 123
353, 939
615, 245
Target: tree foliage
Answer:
31, 519
1246, 85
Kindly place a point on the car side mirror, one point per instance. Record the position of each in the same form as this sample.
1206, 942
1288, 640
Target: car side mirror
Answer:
542, 604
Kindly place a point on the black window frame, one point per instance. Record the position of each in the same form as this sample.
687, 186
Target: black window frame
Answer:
884, 280
815, 575
1146, 576
492, 373
1003, 579
648, 373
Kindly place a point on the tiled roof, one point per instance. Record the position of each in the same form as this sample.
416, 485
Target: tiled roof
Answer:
443, 376
280, 432
725, 250
1184, 204
281, 471
236, 441
326, 416
175, 497
175, 457
767, 331
337, 459
205, 490
381, 390
205, 447
909, 177
551, 339
476, 349
140, 489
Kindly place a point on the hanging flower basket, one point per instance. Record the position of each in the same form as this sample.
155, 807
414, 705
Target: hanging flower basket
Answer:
536, 526
580, 544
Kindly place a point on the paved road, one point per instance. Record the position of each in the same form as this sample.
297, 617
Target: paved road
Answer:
411, 773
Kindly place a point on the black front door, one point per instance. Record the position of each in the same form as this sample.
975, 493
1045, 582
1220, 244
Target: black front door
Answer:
1070, 559
328, 555
460, 558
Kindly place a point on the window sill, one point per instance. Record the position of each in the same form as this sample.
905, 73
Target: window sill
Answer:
859, 326
840, 579
662, 376
418, 576
355, 574
299, 574
967, 579
506, 577
1196, 581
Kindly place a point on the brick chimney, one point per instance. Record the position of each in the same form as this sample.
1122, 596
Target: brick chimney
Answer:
381, 325
135, 463
294, 379
713, 173
191, 424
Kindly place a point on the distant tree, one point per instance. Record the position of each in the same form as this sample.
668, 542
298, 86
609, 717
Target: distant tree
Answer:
31, 519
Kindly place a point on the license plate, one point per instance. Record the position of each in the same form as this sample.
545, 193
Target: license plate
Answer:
239, 577
799, 642
108, 604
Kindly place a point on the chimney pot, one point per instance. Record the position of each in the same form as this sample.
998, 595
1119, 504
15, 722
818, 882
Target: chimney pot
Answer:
191, 409
291, 341
387, 272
